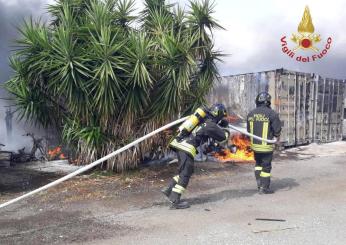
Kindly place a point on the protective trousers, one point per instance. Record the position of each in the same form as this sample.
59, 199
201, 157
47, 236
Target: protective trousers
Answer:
180, 181
263, 168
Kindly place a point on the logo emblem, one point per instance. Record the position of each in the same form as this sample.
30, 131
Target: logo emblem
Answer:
306, 40
306, 37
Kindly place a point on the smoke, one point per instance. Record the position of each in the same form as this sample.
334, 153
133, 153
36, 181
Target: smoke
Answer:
12, 14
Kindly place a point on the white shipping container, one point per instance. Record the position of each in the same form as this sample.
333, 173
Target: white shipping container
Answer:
311, 108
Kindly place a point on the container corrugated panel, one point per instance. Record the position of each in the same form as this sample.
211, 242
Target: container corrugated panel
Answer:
310, 107
330, 107
285, 105
299, 94
238, 92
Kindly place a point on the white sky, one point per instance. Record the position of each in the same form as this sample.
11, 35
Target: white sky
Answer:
254, 29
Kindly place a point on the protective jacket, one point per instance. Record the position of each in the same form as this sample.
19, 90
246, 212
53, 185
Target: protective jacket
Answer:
265, 123
206, 130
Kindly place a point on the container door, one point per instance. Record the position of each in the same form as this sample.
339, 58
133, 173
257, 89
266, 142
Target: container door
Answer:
285, 105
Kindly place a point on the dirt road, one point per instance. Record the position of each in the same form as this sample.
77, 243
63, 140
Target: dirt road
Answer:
310, 185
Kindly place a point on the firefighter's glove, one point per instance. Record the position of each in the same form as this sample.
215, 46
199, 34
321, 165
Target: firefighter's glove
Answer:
227, 134
225, 141
223, 123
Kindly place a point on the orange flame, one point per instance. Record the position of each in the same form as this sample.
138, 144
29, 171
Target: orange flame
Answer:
56, 153
232, 118
243, 152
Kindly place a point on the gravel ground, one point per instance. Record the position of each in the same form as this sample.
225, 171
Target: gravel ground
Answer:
310, 185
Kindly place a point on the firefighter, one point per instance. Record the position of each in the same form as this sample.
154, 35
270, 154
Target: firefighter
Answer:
263, 122
202, 125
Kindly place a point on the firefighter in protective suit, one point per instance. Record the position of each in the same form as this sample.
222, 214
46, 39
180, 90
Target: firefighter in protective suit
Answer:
202, 125
265, 123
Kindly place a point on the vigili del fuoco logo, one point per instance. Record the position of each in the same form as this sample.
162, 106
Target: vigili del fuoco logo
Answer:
306, 40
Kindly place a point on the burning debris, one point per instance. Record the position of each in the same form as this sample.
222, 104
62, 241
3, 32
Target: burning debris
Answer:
234, 118
39, 151
238, 151
56, 154
238, 147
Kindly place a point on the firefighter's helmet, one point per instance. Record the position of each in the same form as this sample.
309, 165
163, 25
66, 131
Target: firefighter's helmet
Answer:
218, 111
263, 98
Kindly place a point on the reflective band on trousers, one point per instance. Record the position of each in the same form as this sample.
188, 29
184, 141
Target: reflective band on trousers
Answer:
184, 146
176, 178
264, 174
178, 189
258, 168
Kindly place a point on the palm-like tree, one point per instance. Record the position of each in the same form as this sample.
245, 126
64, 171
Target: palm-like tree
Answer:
104, 77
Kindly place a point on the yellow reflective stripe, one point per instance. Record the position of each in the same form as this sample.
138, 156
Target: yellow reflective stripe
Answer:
201, 112
184, 147
262, 148
251, 131
258, 168
176, 178
190, 148
264, 174
265, 132
178, 189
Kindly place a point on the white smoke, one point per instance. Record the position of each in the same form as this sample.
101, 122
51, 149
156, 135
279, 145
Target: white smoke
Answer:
12, 14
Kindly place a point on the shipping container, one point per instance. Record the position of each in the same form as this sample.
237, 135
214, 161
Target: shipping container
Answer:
311, 108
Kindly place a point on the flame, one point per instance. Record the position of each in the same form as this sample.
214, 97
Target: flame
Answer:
305, 24
232, 118
56, 153
242, 154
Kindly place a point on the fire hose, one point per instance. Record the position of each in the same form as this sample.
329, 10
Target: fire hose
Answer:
124, 148
250, 135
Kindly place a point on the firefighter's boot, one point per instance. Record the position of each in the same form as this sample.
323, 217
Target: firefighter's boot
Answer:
167, 190
176, 202
258, 170
265, 183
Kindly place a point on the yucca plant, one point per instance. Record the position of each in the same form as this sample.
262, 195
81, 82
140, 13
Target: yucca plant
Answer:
103, 77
